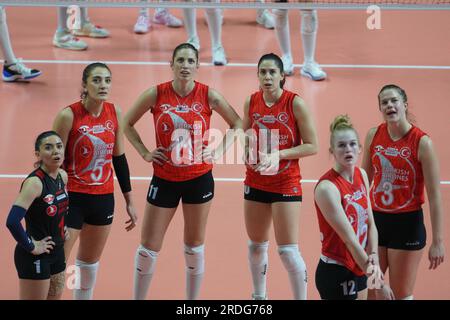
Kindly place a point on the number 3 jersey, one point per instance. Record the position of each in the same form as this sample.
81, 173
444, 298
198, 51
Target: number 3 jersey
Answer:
45, 216
354, 200
398, 183
89, 150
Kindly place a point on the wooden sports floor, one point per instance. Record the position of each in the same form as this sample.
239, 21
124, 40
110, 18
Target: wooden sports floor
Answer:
411, 49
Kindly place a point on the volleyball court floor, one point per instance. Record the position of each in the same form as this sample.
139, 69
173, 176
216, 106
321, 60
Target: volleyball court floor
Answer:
411, 50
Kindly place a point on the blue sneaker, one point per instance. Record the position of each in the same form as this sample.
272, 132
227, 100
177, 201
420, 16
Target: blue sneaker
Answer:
18, 71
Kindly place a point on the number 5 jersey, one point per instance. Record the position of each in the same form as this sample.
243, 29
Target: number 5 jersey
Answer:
89, 150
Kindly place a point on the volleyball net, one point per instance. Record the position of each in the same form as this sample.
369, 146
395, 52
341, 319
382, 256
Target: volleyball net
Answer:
242, 4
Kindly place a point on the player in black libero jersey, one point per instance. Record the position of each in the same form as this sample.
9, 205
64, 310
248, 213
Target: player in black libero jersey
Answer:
43, 201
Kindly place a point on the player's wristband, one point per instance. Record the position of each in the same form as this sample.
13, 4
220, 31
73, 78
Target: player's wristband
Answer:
122, 172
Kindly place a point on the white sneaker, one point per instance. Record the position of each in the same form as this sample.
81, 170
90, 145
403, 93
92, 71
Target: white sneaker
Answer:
18, 71
313, 71
64, 40
288, 66
142, 24
163, 16
195, 41
265, 18
218, 56
92, 31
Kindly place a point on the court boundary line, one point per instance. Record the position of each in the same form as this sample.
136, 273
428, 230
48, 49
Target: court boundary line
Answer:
245, 65
137, 178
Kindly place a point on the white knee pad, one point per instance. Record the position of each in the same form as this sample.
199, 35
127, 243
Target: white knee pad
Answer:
310, 23
292, 259
195, 259
88, 274
257, 253
281, 16
145, 260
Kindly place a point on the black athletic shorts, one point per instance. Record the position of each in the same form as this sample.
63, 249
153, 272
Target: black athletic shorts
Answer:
404, 231
39, 267
336, 282
94, 209
258, 195
167, 194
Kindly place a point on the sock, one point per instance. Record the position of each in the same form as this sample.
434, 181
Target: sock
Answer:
84, 16
258, 261
309, 26
62, 19
195, 267
296, 268
213, 16
259, 12
144, 267
5, 41
88, 275
190, 19
282, 30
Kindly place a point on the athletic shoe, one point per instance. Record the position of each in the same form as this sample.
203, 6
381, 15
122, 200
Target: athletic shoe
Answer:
18, 71
164, 17
313, 71
288, 66
92, 31
195, 41
64, 40
266, 19
142, 24
218, 56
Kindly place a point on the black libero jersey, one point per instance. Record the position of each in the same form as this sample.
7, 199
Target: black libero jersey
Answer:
45, 217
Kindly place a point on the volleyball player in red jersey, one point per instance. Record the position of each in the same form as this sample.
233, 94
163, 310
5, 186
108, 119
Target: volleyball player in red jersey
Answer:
347, 230
272, 184
92, 132
181, 111
43, 202
401, 161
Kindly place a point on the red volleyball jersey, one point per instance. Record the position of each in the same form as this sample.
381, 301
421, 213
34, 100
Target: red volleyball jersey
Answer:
274, 128
89, 150
180, 126
398, 183
354, 200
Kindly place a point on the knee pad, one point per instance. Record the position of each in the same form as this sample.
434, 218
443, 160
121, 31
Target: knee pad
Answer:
88, 274
257, 252
281, 16
145, 260
291, 258
195, 259
310, 23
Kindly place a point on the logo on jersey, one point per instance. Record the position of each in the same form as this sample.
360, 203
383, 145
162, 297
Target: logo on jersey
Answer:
49, 198
269, 119
165, 107
109, 125
83, 129
405, 152
256, 116
166, 128
182, 108
85, 151
197, 107
283, 117
51, 210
